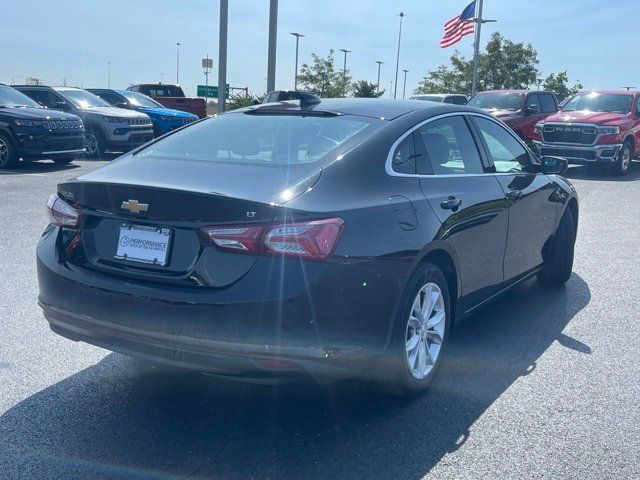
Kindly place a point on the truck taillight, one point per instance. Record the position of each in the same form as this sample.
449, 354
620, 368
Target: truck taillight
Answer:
314, 240
63, 214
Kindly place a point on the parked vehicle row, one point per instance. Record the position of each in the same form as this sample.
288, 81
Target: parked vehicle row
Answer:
61, 123
600, 127
172, 96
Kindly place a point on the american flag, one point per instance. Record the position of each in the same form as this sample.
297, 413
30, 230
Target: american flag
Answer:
459, 26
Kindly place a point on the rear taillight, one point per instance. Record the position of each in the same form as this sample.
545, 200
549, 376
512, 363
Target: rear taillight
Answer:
63, 214
315, 240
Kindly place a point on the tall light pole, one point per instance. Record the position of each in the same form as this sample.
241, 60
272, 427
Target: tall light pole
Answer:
295, 79
108, 73
404, 85
178, 62
344, 72
401, 15
379, 62
222, 54
271, 51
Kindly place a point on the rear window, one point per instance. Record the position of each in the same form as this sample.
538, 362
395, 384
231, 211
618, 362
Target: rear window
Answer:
264, 139
162, 91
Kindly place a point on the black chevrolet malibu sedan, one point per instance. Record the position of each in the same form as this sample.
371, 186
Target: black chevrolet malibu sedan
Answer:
333, 239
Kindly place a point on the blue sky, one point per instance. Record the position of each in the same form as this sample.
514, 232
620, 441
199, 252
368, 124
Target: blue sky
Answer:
594, 40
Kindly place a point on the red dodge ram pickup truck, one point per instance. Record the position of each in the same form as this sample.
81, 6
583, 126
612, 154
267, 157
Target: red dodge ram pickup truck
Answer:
599, 127
519, 109
172, 96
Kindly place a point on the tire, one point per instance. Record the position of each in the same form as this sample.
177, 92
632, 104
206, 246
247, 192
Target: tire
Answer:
94, 143
8, 153
623, 164
394, 374
558, 264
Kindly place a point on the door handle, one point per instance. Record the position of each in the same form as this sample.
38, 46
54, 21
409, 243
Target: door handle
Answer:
451, 203
513, 194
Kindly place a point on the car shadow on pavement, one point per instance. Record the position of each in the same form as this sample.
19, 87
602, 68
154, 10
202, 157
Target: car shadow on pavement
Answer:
596, 172
29, 168
123, 418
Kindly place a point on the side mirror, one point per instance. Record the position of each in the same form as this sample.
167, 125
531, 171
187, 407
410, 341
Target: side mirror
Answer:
555, 165
533, 108
60, 106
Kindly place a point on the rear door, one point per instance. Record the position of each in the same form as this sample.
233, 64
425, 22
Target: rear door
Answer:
532, 211
468, 201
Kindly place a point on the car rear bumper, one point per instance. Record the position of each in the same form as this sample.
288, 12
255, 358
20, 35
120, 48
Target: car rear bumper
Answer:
580, 155
329, 327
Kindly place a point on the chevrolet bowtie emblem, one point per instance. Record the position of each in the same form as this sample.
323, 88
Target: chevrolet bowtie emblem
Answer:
134, 206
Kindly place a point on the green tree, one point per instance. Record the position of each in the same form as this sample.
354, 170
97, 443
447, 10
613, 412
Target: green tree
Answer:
240, 100
558, 83
502, 65
364, 89
322, 78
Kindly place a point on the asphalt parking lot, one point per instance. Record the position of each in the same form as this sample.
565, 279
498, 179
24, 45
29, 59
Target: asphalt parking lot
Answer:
542, 384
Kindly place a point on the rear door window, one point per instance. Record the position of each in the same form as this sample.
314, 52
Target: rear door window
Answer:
447, 147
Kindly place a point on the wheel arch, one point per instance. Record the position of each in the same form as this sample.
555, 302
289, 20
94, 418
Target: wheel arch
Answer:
7, 130
445, 260
572, 206
630, 138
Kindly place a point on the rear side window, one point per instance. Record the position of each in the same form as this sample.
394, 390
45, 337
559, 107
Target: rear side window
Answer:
448, 148
404, 157
548, 104
111, 98
456, 100
164, 91
507, 153
264, 139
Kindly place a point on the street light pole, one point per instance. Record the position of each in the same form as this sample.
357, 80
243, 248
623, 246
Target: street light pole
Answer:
271, 51
344, 72
401, 15
295, 79
108, 73
404, 85
178, 62
379, 62
222, 54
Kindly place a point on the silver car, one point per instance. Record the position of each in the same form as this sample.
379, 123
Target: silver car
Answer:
107, 127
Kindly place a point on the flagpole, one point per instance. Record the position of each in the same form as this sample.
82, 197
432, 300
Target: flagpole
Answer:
476, 47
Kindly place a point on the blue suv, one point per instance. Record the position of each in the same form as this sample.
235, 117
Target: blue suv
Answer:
164, 119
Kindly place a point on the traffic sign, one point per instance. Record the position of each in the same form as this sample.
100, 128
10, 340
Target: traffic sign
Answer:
211, 91
207, 63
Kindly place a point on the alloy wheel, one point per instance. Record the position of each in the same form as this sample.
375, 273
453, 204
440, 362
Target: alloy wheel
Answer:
425, 330
4, 153
625, 158
91, 143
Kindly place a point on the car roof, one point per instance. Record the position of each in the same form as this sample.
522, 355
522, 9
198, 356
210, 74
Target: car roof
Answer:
439, 95
613, 92
363, 107
516, 91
